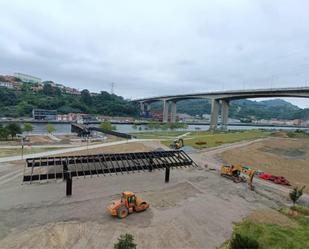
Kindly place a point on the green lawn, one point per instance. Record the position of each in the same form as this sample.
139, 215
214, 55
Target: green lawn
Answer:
211, 139
17, 151
159, 134
271, 236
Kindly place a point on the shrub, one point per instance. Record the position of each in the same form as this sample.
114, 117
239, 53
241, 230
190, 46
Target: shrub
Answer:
50, 128
296, 193
28, 127
106, 125
243, 242
125, 241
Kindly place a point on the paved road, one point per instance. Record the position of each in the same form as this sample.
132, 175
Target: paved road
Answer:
54, 152
40, 146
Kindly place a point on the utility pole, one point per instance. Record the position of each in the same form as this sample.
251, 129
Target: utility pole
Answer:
112, 89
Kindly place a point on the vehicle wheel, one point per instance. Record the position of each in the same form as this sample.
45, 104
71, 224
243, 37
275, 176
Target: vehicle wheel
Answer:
237, 179
122, 212
142, 207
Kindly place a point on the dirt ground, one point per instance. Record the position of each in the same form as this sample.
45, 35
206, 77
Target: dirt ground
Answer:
196, 209
120, 148
279, 156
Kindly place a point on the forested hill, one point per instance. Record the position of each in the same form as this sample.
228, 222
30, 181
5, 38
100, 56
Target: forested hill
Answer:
246, 109
20, 103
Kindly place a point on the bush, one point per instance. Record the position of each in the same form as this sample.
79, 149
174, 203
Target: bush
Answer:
296, 193
28, 127
50, 128
125, 241
106, 125
243, 242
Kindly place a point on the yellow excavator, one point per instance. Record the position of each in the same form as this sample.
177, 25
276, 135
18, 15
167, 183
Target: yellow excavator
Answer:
233, 172
177, 144
251, 174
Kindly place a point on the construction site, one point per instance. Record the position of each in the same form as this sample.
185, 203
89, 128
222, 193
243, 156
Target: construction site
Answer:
166, 196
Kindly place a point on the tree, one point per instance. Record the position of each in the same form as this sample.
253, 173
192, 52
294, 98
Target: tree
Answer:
48, 89
13, 129
240, 241
296, 193
107, 126
28, 127
3, 132
86, 97
125, 241
50, 128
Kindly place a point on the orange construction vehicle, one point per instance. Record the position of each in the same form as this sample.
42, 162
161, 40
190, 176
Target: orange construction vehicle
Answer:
232, 172
251, 174
128, 203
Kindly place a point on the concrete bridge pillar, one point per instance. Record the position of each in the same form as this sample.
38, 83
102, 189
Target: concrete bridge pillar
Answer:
173, 111
224, 114
142, 105
165, 111
214, 114
147, 107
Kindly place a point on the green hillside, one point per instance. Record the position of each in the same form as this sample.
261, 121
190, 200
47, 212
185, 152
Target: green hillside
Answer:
20, 103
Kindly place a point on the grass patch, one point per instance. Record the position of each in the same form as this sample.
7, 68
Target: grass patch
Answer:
17, 151
298, 134
158, 134
274, 236
206, 139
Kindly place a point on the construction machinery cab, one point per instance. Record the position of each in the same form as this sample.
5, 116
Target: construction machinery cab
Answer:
177, 144
232, 171
128, 197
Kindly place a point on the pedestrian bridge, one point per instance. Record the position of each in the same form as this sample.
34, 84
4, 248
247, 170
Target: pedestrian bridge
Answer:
218, 98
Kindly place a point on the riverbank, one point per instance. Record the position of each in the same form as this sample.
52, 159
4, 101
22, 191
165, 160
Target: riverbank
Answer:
63, 127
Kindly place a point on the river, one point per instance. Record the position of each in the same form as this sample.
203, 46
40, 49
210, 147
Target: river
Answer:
128, 128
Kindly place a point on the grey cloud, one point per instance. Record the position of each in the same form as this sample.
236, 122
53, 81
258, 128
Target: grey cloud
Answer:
158, 47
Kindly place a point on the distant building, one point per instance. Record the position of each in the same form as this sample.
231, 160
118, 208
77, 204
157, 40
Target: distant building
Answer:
37, 87
103, 118
70, 116
70, 90
27, 78
6, 84
42, 114
10, 82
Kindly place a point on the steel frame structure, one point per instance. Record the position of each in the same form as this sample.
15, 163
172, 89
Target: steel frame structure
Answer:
43, 169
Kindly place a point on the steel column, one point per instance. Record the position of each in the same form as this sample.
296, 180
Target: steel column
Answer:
68, 178
167, 174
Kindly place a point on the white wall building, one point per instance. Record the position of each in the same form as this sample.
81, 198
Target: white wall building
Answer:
27, 78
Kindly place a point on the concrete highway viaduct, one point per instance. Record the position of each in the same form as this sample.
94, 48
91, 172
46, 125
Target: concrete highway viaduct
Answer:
218, 99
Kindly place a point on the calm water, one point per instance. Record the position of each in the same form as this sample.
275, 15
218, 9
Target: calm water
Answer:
127, 128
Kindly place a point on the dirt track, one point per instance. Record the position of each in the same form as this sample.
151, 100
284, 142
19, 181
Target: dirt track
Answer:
278, 156
195, 210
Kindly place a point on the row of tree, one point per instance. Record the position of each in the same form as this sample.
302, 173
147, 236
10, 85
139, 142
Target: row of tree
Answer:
12, 129
9, 130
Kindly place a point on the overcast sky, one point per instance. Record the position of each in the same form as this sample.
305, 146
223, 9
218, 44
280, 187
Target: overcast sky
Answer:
150, 48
